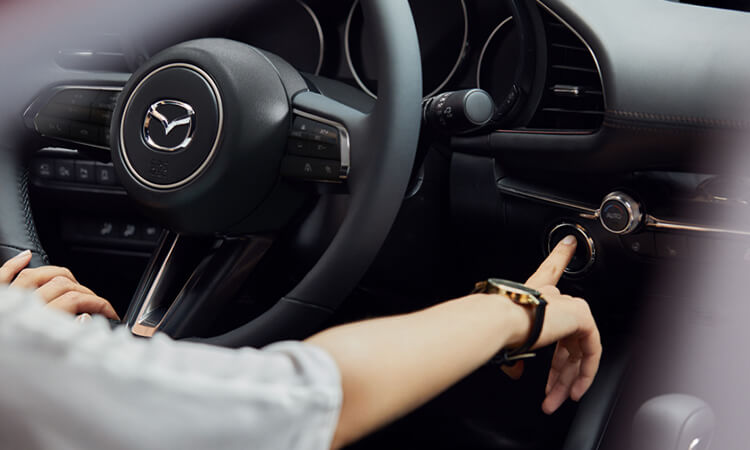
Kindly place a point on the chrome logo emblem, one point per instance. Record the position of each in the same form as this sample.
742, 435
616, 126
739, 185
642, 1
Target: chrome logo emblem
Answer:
158, 125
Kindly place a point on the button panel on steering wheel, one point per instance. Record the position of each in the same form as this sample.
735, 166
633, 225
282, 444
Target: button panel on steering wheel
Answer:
318, 150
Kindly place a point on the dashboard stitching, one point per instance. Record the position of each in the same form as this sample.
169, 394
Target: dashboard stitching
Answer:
655, 129
665, 118
31, 234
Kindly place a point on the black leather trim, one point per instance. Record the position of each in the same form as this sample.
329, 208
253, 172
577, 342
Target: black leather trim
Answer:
17, 229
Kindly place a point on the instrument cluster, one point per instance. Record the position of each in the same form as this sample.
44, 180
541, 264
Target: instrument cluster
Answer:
464, 43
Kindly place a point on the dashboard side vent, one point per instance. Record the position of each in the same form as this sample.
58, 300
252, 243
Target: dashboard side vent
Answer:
573, 99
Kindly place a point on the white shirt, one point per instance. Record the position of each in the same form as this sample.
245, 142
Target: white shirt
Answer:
68, 385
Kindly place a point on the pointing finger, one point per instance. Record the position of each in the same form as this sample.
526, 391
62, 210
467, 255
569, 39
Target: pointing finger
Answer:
553, 267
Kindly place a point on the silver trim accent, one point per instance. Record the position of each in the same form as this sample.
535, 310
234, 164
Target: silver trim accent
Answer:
140, 328
344, 141
169, 125
486, 46
635, 216
649, 221
566, 89
456, 66
67, 87
321, 36
661, 224
585, 43
210, 156
578, 207
57, 151
589, 242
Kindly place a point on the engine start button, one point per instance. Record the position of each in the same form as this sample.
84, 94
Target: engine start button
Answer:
585, 254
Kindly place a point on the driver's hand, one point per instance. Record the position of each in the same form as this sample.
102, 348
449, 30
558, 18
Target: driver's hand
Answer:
56, 286
569, 323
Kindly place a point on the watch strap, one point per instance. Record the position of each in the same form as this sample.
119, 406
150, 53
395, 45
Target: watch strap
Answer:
508, 357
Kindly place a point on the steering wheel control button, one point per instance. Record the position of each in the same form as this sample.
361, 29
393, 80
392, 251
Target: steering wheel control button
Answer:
585, 254
620, 213
311, 169
313, 149
170, 126
315, 131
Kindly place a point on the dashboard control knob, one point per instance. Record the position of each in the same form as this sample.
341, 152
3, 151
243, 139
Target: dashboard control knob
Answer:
620, 213
459, 112
585, 251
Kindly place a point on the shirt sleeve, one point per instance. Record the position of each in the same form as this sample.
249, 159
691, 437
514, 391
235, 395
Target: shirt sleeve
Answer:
67, 385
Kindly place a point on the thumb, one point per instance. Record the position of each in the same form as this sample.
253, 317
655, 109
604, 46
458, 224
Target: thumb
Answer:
549, 273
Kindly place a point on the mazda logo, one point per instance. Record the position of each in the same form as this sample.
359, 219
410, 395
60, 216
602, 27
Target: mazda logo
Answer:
166, 117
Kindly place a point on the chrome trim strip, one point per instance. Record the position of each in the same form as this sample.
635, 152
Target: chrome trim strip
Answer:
321, 36
140, 328
582, 209
588, 47
661, 224
456, 66
344, 141
57, 151
209, 158
54, 91
486, 46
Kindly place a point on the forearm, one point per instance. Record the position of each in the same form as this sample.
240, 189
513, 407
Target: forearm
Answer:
391, 366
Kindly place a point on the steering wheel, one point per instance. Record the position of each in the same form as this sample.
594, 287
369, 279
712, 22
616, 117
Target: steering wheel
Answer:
206, 138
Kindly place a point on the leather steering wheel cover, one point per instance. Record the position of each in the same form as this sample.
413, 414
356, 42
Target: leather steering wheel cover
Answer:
17, 229
383, 156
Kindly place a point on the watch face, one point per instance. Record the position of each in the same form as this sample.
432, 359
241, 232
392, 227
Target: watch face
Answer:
517, 292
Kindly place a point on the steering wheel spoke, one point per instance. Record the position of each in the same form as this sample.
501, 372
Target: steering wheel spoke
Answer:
189, 280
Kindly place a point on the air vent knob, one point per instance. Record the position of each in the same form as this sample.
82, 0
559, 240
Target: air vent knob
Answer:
620, 213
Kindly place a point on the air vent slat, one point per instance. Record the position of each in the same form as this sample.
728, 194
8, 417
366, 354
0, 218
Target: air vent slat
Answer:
571, 111
579, 69
574, 97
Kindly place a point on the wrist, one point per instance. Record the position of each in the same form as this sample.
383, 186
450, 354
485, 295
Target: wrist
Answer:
512, 321
518, 322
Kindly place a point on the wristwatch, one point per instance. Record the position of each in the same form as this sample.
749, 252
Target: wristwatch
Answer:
524, 296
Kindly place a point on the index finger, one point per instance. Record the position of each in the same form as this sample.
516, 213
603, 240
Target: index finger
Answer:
10, 269
549, 273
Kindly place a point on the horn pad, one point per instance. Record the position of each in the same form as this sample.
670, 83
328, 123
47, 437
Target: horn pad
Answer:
199, 133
